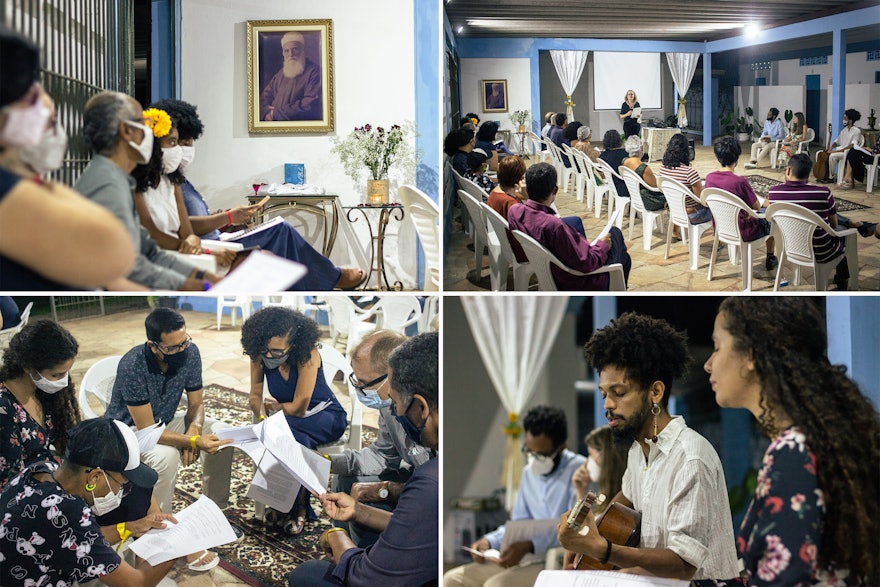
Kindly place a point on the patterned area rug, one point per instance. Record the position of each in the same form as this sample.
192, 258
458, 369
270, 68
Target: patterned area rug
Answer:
762, 186
265, 556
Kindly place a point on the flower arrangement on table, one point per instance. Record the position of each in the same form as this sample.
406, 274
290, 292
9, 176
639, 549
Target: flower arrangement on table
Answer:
379, 151
522, 119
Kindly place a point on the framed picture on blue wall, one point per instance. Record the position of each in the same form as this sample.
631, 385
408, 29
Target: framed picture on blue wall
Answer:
290, 76
494, 95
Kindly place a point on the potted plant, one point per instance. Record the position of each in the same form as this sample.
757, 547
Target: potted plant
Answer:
743, 126
519, 119
377, 150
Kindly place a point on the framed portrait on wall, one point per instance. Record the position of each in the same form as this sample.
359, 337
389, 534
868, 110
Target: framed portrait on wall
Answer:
494, 95
290, 76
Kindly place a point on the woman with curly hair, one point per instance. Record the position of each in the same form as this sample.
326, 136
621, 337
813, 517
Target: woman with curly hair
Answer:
37, 399
676, 165
812, 520
283, 347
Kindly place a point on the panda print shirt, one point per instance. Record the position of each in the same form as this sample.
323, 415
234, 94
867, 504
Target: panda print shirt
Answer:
48, 537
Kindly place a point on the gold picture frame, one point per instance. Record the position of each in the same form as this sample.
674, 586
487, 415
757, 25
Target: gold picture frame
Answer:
290, 76
494, 93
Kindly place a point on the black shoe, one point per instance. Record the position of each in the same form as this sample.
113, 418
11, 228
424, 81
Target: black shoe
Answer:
771, 263
867, 229
828, 180
841, 285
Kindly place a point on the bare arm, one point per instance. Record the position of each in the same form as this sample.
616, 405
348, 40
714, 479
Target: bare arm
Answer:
305, 386
649, 177
186, 228
143, 575
164, 240
63, 236
255, 398
205, 224
697, 188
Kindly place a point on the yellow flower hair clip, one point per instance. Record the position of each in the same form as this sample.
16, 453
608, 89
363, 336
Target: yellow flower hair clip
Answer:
159, 121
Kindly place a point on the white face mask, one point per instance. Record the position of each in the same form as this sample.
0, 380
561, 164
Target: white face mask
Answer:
189, 153
106, 503
541, 465
48, 386
593, 469
48, 154
24, 126
145, 149
171, 158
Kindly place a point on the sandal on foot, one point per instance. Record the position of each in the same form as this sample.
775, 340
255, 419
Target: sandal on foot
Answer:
294, 526
351, 278
199, 566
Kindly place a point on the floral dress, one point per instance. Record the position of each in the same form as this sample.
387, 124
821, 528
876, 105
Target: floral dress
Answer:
786, 149
781, 533
22, 439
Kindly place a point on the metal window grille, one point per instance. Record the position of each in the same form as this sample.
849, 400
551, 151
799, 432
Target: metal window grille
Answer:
86, 46
76, 307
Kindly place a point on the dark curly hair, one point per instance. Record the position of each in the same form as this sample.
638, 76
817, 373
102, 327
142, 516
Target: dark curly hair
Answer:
41, 345
183, 116
487, 131
549, 421
455, 139
611, 140
415, 369
147, 175
785, 337
647, 349
677, 152
301, 331
571, 131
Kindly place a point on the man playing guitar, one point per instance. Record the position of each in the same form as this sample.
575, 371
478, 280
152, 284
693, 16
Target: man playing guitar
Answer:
673, 476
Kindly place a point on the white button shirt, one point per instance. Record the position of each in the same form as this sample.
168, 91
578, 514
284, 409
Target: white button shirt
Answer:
849, 137
682, 495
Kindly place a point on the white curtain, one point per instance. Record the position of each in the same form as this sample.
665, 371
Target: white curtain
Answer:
682, 66
514, 335
569, 67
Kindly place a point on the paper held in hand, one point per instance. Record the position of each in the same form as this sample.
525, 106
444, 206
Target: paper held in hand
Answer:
607, 228
148, 437
261, 272
637, 112
199, 527
488, 554
602, 579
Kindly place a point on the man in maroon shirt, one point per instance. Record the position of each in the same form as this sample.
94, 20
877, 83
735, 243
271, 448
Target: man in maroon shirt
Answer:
537, 219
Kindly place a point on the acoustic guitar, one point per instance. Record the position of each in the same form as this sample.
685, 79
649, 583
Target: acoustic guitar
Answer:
619, 524
820, 169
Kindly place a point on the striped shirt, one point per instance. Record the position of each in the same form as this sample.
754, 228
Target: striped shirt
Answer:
685, 174
818, 199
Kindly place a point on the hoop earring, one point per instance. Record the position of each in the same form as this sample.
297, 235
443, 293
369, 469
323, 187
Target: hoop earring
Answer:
90, 487
655, 409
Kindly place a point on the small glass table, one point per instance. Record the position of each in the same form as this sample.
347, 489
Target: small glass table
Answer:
323, 206
377, 238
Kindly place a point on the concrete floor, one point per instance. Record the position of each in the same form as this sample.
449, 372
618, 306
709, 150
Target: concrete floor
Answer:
651, 272
222, 363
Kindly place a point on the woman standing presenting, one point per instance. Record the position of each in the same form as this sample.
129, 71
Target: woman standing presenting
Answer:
818, 496
283, 347
37, 399
631, 125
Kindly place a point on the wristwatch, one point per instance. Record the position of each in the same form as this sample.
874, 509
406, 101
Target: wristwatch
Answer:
383, 491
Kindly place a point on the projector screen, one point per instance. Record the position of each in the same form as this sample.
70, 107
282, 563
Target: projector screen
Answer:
615, 73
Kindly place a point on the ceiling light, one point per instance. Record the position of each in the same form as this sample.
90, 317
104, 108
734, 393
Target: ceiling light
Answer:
751, 30
459, 29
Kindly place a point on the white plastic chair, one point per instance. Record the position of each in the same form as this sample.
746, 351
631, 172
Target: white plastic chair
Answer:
395, 313
346, 321
725, 208
841, 165
563, 173
580, 175
796, 226
466, 224
541, 259
802, 146
637, 206
429, 312
620, 202
474, 207
97, 384
595, 192
871, 174
241, 303
676, 197
7, 333
333, 362
425, 214
537, 142
502, 256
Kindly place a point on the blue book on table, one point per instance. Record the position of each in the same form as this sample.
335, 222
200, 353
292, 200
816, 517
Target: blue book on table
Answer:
295, 173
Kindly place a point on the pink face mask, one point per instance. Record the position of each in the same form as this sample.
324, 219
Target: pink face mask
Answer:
25, 126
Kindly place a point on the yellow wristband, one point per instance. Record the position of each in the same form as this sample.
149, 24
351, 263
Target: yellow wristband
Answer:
335, 529
192, 441
123, 534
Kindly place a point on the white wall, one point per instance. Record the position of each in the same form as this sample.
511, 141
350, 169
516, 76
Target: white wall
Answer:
517, 72
762, 98
858, 70
373, 60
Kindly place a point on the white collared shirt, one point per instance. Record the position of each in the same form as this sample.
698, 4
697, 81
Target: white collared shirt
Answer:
682, 495
850, 136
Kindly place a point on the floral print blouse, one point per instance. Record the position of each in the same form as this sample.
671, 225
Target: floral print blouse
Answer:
782, 531
22, 440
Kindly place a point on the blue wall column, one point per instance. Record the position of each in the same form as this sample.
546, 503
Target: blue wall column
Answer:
428, 65
853, 325
604, 311
838, 80
708, 101
164, 59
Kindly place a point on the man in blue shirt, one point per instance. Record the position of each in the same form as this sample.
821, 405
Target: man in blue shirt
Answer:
150, 381
773, 131
545, 492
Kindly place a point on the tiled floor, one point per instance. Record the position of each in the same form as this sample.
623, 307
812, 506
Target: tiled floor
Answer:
222, 364
651, 272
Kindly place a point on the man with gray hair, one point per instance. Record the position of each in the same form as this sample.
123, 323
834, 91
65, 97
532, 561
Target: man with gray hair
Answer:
294, 93
114, 129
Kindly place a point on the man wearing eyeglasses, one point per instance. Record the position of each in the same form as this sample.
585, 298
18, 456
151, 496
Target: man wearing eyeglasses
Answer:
150, 381
545, 491
376, 474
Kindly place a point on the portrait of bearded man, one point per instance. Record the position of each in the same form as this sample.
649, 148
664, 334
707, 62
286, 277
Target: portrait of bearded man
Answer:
294, 91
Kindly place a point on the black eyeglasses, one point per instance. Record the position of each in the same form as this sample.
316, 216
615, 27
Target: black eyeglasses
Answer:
275, 353
527, 452
355, 382
170, 350
126, 487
